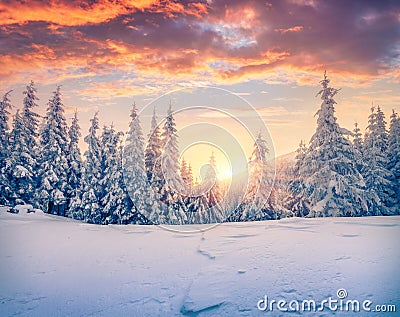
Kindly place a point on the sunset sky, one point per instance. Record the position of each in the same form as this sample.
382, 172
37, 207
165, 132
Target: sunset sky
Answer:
107, 54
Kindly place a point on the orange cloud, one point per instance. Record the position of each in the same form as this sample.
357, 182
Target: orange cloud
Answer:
296, 28
74, 13
172, 8
69, 13
240, 17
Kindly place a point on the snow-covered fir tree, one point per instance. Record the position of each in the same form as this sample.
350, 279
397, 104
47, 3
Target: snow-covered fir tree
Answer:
394, 157
296, 201
53, 158
153, 153
204, 200
23, 154
5, 106
183, 171
358, 147
74, 173
377, 177
5, 161
144, 205
30, 118
114, 198
92, 174
172, 185
257, 200
198, 209
21, 171
189, 175
333, 185
214, 195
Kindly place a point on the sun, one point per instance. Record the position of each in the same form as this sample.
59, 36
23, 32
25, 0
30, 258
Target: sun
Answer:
199, 154
224, 172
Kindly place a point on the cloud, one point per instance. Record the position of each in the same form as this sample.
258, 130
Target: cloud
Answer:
68, 13
221, 42
73, 13
296, 28
242, 93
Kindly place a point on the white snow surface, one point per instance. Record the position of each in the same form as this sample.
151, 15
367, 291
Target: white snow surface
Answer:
53, 266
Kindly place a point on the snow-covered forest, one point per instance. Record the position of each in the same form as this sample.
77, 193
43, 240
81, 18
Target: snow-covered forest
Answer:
125, 178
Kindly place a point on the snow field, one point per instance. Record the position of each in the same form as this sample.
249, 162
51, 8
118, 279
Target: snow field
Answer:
53, 266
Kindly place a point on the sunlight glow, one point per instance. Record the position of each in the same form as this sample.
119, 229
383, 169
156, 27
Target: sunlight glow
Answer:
199, 155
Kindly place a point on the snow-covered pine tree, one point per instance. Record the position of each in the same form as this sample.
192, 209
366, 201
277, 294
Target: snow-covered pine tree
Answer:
153, 153
109, 142
190, 176
23, 176
172, 184
257, 204
204, 203
185, 172
214, 195
53, 158
21, 171
187, 193
198, 209
144, 206
113, 196
5, 161
122, 213
394, 157
5, 105
92, 174
358, 147
296, 202
333, 185
74, 173
377, 177
30, 118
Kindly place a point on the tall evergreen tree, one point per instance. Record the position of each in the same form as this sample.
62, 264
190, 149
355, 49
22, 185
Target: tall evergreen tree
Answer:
358, 147
31, 120
190, 175
118, 203
74, 173
22, 164
214, 195
333, 185
204, 202
296, 202
153, 153
53, 157
92, 174
394, 157
172, 184
112, 193
377, 177
257, 200
143, 205
184, 173
256, 204
5, 106
22, 173
30, 117
5, 162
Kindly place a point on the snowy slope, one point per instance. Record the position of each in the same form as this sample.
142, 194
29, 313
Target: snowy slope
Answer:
52, 266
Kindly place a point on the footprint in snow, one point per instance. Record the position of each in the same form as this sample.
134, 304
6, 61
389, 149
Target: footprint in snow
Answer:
206, 254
